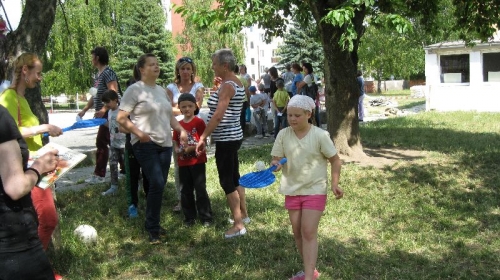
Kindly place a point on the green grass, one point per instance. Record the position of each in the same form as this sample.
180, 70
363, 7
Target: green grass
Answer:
437, 217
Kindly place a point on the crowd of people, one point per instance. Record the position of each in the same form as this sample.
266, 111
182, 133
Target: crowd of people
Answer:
147, 126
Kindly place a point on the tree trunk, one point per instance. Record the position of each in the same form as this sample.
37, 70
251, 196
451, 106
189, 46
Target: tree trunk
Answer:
31, 35
341, 88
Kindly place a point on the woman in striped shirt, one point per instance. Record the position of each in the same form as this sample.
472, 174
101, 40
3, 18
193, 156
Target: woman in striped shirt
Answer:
225, 130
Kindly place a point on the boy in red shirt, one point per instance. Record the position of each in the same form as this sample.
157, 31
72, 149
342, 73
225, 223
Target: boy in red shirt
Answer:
192, 170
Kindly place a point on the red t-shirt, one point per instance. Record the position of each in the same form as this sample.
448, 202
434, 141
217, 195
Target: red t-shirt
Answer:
195, 129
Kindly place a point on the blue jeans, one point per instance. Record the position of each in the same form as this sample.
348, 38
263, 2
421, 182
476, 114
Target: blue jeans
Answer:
279, 121
155, 162
316, 116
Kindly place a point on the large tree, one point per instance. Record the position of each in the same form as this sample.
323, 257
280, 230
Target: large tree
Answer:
77, 29
340, 25
142, 30
302, 43
386, 51
201, 44
30, 36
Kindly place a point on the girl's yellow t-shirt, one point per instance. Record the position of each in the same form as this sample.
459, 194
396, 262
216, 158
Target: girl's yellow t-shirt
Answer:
20, 110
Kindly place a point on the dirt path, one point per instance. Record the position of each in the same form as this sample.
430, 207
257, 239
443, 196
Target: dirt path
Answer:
380, 157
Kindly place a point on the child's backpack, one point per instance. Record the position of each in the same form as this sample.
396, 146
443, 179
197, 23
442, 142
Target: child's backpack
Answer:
312, 90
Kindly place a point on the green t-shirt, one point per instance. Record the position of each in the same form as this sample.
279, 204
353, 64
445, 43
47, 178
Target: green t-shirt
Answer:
281, 98
20, 110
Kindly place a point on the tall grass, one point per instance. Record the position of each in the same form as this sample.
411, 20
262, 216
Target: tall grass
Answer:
436, 217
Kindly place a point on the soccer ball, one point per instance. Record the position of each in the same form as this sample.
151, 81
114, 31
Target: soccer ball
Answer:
86, 233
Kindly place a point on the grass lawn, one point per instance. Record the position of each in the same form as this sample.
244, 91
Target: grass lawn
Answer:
435, 217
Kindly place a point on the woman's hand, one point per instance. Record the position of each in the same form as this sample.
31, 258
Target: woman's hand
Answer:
201, 146
53, 130
144, 137
183, 137
48, 162
217, 82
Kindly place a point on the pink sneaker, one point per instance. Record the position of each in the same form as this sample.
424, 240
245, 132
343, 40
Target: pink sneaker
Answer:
301, 275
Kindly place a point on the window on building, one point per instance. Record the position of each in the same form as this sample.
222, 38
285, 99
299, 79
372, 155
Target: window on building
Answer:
455, 68
262, 37
253, 76
251, 45
491, 67
262, 53
252, 61
262, 69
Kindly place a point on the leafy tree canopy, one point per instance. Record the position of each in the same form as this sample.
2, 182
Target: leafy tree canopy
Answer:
142, 30
201, 44
302, 43
341, 24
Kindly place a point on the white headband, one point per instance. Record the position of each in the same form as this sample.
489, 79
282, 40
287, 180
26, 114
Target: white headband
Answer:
303, 102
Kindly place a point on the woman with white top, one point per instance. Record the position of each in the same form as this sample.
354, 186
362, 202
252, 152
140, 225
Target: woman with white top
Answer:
185, 73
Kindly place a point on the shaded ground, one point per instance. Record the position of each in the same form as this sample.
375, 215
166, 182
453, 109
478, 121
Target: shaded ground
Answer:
380, 157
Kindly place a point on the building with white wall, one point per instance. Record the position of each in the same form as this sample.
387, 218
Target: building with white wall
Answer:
259, 54
461, 78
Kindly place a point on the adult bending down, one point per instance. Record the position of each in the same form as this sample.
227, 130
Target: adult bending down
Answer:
21, 252
150, 123
225, 129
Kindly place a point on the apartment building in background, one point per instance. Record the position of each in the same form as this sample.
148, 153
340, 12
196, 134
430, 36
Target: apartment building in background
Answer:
258, 54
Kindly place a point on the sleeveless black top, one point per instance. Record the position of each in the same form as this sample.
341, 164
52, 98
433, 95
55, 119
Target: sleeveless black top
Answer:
18, 219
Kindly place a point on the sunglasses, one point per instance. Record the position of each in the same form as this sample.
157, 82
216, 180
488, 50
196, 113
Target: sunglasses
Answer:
185, 59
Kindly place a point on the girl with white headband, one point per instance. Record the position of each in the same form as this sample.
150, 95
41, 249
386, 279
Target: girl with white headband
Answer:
304, 180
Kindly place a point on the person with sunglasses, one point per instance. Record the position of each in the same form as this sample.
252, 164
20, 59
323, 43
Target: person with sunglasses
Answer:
184, 82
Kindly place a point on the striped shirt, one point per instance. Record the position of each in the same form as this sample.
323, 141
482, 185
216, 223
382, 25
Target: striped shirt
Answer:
101, 83
229, 129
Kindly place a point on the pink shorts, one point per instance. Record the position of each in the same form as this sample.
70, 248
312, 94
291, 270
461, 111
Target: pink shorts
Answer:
310, 202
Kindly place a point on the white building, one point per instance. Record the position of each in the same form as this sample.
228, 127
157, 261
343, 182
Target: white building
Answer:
258, 53
460, 78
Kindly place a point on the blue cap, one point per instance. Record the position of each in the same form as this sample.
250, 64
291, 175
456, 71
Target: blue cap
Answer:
252, 89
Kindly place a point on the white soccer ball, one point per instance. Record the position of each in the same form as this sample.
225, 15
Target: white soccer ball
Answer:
260, 165
86, 233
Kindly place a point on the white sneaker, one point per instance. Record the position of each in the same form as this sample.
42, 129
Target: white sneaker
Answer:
112, 190
95, 180
246, 220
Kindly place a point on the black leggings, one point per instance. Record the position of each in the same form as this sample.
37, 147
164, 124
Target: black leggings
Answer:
226, 159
